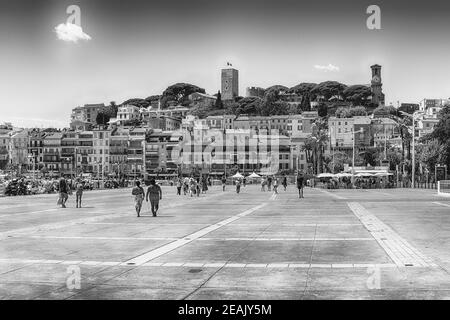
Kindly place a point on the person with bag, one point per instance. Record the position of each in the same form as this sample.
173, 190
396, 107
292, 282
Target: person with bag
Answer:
154, 193
138, 193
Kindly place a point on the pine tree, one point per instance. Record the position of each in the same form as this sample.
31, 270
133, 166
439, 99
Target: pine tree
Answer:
219, 103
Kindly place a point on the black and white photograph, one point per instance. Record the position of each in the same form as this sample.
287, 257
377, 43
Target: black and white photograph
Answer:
254, 151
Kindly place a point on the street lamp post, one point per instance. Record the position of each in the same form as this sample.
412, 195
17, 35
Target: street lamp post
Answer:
413, 169
353, 157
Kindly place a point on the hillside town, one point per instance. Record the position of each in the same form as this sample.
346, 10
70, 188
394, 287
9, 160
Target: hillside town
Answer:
224, 155
325, 130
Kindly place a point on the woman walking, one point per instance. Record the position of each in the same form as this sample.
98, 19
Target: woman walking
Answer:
238, 185
224, 183
179, 184
154, 193
186, 185
79, 186
138, 193
192, 187
204, 185
197, 187
284, 183
275, 185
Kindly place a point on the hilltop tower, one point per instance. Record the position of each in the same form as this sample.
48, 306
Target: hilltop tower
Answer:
376, 85
230, 83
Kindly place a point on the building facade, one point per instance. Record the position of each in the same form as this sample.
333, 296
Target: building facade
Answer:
127, 113
52, 152
255, 92
86, 114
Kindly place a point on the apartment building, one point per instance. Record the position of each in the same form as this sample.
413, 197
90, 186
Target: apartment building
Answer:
101, 141
52, 152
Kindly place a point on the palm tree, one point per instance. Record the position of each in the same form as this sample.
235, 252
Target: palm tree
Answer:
314, 147
404, 125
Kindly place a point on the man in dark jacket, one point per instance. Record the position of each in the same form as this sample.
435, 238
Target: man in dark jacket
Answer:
154, 192
300, 184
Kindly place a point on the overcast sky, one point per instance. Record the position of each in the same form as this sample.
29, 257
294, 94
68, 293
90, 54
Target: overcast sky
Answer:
138, 48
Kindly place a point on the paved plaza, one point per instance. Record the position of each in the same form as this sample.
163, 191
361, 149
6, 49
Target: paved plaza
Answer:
333, 244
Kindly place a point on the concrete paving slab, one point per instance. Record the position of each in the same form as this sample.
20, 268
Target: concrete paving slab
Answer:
349, 252
312, 248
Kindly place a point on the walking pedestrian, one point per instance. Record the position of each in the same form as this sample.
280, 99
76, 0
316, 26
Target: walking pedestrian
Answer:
63, 192
275, 186
284, 183
154, 193
300, 184
138, 193
192, 186
224, 183
238, 185
204, 185
197, 187
186, 185
79, 192
179, 184
269, 183
263, 184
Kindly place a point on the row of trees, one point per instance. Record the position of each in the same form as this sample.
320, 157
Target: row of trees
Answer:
431, 150
270, 104
435, 148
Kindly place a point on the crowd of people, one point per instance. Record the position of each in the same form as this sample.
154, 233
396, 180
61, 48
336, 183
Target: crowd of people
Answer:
192, 186
189, 186
19, 186
273, 182
25, 186
359, 183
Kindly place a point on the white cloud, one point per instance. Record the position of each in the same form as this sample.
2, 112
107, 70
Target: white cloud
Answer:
70, 32
327, 68
23, 122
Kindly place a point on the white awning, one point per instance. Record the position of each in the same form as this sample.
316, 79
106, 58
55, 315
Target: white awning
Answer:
238, 175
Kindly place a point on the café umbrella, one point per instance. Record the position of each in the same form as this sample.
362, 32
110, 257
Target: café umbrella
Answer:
325, 175
238, 176
254, 175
